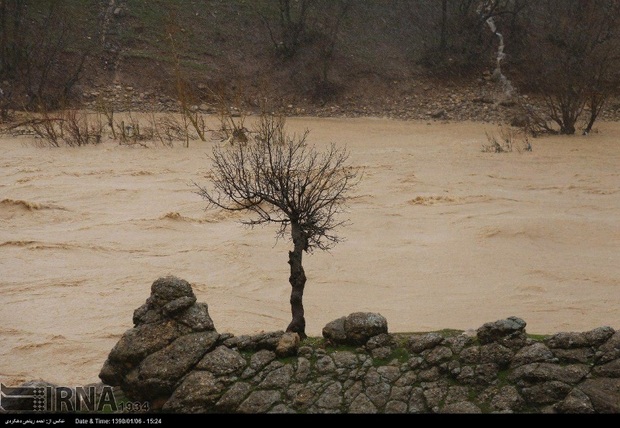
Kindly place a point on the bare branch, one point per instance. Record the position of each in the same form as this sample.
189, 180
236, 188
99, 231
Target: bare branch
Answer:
283, 180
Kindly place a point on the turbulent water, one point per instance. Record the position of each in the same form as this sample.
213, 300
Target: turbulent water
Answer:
441, 235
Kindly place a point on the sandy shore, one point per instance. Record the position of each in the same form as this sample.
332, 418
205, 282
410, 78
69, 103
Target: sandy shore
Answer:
442, 235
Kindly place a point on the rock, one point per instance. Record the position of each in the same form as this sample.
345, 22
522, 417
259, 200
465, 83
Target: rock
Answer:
575, 402
567, 341
174, 359
484, 100
510, 332
169, 296
578, 355
438, 114
382, 340
199, 390
167, 289
497, 354
222, 361
355, 329
178, 305
196, 317
536, 353
361, 326
334, 331
507, 399
268, 341
461, 407
143, 340
438, 355
519, 121
422, 342
171, 335
611, 369
542, 372
259, 402
610, 350
598, 336
604, 394
546, 392
288, 345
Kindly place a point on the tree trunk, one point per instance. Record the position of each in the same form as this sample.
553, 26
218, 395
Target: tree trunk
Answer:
3, 39
444, 23
596, 102
568, 129
297, 280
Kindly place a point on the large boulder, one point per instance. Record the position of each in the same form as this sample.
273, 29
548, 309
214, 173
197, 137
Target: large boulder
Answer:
171, 334
509, 332
355, 329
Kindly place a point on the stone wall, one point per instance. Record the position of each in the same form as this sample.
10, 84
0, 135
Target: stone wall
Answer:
175, 359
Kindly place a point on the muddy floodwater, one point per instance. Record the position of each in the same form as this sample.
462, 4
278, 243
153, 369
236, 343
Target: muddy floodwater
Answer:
442, 235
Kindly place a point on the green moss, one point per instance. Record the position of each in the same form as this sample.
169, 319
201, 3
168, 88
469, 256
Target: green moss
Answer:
288, 360
447, 332
537, 337
340, 348
401, 340
484, 406
314, 342
247, 354
502, 378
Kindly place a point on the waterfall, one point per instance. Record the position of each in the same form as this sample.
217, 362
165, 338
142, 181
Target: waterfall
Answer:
497, 73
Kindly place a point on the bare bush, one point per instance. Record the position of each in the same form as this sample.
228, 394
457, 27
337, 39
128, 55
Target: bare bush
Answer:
70, 128
191, 118
80, 128
47, 129
232, 127
107, 110
506, 142
129, 131
74, 128
166, 131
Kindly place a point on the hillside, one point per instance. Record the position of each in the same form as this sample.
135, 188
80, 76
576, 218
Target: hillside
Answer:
345, 57
223, 49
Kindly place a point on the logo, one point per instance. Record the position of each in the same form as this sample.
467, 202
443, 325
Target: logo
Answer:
49, 398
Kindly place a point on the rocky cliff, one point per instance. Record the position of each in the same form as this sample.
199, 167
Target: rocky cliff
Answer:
175, 360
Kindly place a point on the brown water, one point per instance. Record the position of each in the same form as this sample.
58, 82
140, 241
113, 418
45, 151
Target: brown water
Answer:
442, 235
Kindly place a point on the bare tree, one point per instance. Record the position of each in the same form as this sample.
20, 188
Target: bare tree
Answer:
327, 38
11, 12
573, 61
291, 26
50, 53
458, 32
283, 180
190, 117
